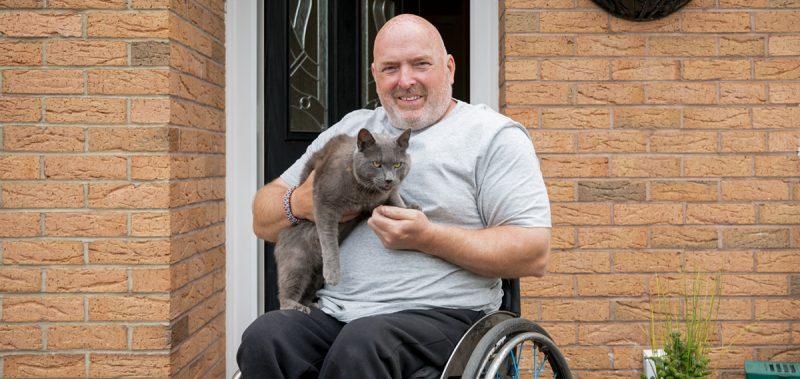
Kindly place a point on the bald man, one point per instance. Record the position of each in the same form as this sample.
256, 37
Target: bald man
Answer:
412, 281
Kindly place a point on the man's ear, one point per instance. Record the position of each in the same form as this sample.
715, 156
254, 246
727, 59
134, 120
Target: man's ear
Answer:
372, 69
451, 66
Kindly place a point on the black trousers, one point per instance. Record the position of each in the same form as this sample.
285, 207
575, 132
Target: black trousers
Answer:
407, 344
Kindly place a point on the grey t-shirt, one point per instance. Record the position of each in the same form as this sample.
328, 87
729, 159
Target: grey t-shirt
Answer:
473, 169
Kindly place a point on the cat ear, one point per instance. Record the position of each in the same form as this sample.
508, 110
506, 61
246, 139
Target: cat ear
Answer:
365, 139
402, 141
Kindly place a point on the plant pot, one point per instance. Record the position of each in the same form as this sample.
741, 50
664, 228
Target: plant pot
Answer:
649, 366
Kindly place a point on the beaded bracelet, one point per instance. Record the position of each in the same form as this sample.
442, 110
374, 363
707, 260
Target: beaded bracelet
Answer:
287, 206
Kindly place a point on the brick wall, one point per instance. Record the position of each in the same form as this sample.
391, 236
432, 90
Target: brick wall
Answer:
668, 146
112, 188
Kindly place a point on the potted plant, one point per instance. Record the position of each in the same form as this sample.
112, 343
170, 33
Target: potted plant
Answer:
680, 330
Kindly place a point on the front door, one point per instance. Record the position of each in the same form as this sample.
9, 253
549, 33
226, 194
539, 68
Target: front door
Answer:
317, 71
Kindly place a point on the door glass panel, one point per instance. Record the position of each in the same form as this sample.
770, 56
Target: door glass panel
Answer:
374, 14
308, 65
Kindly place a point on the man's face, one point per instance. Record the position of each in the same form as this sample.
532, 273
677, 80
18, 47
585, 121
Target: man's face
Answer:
413, 76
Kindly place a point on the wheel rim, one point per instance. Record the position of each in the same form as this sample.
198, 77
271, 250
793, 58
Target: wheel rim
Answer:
511, 351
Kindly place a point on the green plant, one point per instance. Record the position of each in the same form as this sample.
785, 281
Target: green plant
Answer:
682, 328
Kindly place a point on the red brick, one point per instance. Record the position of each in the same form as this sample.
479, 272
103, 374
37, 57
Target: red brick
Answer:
41, 365
85, 167
50, 139
573, 22
553, 142
560, 190
150, 167
15, 338
512, 4
128, 308
538, 45
128, 25
151, 337
777, 69
582, 357
150, 224
19, 167
521, 22
754, 285
785, 165
779, 213
681, 93
536, 93
743, 142
683, 142
611, 285
567, 166
129, 252
755, 238
20, 109
575, 310
682, 46
83, 4
574, 69
684, 190
87, 53
716, 118
129, 82
786, 22
755, 190
669, 24
780, 93
647, 214
684, 237
581, 214
716, 261
576, 118
756, 333
110, 365
612, 142
87, 280
106, 224
131, 139
42, 252
43, 81
42, 308
645, 70
85, 110
720, 214
150, 111
612, 238
645, 166
20, 53
647, 118
36, 24
20, 279
151, 280
610, 45
784, 45
711, 166
775, 117
581, 262
715, 22
741, 45
777, 309
548, 286
191, 88
609, 93
777, 261
716, 69
528, 117
195, 115
612, 334
19, 224
742, 93
100, 337
42, 195
647, 261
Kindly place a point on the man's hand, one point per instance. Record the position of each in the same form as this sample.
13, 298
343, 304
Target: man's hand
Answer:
400, 228
302, 202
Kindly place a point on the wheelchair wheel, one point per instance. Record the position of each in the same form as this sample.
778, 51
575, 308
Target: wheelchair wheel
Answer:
516, 348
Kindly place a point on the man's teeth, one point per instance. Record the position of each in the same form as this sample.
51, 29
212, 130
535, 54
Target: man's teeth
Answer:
411, 98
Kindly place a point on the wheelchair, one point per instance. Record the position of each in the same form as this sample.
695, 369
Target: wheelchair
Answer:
503, 346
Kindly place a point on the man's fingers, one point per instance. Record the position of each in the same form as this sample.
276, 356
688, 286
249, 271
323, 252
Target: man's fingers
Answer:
397, 213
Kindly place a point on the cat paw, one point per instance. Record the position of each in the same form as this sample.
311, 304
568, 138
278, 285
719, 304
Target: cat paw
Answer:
414, 206
332, 276
293, 305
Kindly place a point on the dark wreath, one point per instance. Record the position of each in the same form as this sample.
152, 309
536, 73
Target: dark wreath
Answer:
641, 10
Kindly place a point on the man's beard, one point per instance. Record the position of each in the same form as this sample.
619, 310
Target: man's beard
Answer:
434, 108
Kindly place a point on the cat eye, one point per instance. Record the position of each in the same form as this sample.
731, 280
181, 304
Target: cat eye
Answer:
376, 164
398, 165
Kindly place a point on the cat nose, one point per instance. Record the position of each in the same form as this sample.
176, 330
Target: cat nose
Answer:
389, 181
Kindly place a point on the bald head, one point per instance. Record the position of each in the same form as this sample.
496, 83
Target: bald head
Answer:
406, 25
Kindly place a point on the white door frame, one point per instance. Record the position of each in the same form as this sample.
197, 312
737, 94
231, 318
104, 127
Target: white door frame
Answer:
244, 148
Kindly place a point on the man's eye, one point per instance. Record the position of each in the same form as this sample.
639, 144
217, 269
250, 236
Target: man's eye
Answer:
389, 69
398, 164
376, 164
423, 64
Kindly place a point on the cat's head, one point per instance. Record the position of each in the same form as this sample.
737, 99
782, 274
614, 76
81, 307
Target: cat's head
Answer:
381, 162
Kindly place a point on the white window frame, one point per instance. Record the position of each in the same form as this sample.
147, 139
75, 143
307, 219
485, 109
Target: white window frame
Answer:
244, 146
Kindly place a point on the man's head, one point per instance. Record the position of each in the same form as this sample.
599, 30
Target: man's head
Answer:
413, 72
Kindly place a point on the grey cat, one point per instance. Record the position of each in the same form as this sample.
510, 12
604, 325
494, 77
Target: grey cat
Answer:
352, 174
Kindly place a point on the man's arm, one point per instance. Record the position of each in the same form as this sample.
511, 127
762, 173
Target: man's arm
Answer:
495, 252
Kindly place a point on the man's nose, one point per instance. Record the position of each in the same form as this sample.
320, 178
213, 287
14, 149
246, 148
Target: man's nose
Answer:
406, 77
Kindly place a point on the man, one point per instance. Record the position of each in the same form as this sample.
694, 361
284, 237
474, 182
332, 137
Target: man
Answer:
412, 281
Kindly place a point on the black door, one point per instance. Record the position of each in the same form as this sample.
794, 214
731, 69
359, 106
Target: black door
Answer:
317, 70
